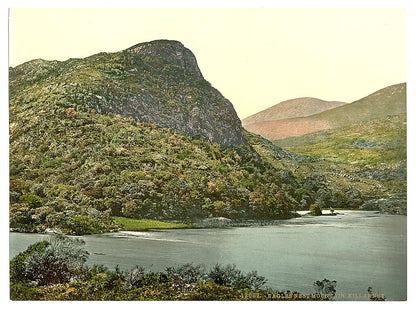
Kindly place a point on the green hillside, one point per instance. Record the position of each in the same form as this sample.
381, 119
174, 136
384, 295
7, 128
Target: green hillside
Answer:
73, 169
369, 156
390, 100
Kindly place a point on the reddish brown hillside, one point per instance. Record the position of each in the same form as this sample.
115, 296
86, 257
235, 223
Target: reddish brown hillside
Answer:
279, 129
387, 101
300, 107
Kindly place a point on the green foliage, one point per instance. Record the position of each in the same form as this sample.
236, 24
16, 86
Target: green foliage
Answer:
24, 291
32, 200
230, 276
185, 275
17, 264
140, 171
52, 163
61, 261
61, 190
315, 210
81, 225
213, 291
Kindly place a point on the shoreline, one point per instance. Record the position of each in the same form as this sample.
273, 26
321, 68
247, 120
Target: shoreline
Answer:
211, 223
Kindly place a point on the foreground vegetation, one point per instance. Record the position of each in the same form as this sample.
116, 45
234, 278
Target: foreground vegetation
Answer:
55, 270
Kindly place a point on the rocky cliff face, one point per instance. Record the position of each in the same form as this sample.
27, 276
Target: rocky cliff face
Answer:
157, 82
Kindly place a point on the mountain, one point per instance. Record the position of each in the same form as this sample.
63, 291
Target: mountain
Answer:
300, 107
140, 134
387, 101
157, 82
83, 149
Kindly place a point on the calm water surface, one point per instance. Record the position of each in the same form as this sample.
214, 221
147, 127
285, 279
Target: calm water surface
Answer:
358, 249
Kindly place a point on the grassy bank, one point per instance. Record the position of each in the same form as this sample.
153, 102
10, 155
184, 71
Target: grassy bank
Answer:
146, 224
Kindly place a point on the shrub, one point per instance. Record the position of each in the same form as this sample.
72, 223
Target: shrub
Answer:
23, 291
17, 264
315, 210
38, 189
230, 276
51, 163
186, 274
14, 196
70, 112
134, 278
213, 291
81, 225
17, 185
60, 262
32, 200
60, 190
325, 287
21, 216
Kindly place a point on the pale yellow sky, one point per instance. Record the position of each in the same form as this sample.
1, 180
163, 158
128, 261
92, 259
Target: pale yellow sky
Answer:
254, 57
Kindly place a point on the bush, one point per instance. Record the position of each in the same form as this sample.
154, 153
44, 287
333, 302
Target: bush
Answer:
17, 264
23, 291
325, 288
32, 200
184, 277
213, 291
315, 210
21, 216
82, 225
60, 262
134, 278
230, 276
60, 190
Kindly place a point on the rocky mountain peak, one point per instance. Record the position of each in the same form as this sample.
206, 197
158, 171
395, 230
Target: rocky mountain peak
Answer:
155, 82
170, 52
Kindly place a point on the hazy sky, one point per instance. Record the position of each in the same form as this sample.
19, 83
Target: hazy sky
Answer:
254, 57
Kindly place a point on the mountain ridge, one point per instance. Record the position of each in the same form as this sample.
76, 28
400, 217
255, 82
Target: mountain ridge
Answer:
390, 100
298, 107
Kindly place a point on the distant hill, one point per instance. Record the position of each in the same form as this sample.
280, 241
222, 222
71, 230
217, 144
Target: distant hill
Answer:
387, 101
300, 107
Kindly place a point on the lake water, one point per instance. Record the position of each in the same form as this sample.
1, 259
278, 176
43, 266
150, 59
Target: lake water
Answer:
358, 249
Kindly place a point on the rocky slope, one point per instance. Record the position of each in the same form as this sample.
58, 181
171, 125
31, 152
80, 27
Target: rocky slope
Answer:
157, 82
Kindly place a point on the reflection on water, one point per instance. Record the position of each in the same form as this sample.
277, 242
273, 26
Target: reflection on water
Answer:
358, 249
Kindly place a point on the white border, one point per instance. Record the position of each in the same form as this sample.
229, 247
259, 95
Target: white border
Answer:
204, 4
